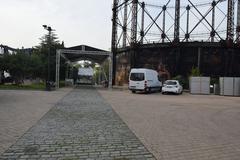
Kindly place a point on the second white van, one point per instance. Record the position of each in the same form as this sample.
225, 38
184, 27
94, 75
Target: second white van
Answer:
143, 79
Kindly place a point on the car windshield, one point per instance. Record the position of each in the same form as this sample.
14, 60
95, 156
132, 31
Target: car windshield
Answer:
137, 76
171, 83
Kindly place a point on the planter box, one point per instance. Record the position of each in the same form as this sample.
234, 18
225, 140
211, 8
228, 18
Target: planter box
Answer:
68, 82
199, 85
230, 86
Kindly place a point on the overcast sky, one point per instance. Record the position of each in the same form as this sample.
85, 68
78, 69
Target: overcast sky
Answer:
75, 21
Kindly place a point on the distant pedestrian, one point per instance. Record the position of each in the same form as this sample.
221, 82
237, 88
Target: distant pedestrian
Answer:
75, 75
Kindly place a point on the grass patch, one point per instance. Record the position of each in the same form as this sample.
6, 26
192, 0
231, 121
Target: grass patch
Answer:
62, 84
40, 86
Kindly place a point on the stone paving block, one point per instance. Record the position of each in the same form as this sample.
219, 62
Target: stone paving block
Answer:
80, 126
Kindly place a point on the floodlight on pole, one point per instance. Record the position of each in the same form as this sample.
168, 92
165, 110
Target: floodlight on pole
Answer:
49, 29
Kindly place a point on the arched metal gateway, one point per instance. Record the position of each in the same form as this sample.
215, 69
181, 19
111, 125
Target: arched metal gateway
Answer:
83, 52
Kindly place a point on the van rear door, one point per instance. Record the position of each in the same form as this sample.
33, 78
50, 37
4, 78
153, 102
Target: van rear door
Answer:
137, 81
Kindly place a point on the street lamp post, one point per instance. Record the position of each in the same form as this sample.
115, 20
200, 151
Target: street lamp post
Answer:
49, 29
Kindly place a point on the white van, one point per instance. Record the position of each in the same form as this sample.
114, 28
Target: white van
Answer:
146, 80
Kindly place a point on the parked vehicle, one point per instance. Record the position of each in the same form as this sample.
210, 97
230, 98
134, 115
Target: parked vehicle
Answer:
1, 77
172, 86
146, 80
85, 76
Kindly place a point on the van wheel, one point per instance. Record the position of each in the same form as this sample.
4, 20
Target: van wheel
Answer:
147, 90
133, 91
160, 89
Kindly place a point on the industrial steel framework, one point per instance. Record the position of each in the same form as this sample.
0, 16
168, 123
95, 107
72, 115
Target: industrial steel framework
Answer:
5, 49
138, 24
73, 55
134, 22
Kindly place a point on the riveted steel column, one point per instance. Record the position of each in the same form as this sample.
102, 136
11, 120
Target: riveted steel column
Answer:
164, 23
199, 59
58, 53
187, 36
238, 22
212, 34
124, 28
114, 37
177, 21
230, 21
134, 21
110, 78
142, 25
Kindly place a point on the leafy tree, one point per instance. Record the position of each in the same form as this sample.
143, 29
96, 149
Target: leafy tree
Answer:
16, 65
36, 66
22, 65
50, 42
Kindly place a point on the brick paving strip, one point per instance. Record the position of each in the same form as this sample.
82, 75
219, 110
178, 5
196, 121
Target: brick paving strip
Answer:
81, 126
21, 109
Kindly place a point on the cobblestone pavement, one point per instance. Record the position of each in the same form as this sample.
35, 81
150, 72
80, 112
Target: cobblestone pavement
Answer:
19, 110
81, 126
185, 127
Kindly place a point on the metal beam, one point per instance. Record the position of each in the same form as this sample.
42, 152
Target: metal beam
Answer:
110, 78
134, 21
124, 28
142, 25
212, 34
203, 17
230, 21
238, 22
80, 52
114, 24
154, 22
61, 52
58, 53
187, 36
114, 35
164, 8
199, 59
177, 21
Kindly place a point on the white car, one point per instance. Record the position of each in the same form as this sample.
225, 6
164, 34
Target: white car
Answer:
172, 86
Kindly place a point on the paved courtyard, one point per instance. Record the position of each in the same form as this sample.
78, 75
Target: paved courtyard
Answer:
19, 110
80, 126
118, 125
185, 127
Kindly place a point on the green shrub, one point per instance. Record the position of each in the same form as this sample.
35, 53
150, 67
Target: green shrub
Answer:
182, 80
195, 72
